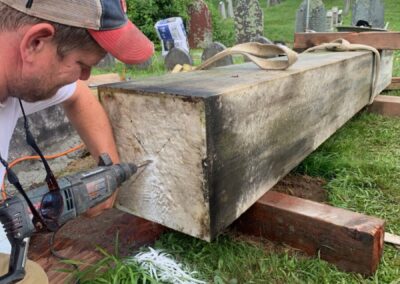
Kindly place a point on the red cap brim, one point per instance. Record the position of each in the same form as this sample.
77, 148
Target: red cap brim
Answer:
128, 44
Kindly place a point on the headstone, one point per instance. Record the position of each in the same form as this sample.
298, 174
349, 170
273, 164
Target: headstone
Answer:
200, 27
249, 20
311, 16
213, 49
329, 21
371, 11
273, 2
263, 39
142, 66
177, 56
230, 13
335, 16
222, 10
107, 62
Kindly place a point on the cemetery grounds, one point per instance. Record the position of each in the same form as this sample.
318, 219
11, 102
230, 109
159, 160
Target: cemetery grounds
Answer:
360, 166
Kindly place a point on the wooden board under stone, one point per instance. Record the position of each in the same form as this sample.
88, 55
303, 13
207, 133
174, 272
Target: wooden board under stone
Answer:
219, 139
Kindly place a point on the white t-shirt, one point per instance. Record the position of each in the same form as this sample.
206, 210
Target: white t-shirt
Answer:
10, 111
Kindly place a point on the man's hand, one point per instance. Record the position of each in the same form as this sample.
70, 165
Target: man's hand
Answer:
98, 209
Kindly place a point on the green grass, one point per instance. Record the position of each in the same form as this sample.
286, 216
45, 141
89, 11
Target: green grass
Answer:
361, 164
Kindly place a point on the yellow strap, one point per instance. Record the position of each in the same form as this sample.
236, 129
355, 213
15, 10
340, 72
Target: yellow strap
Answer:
258, 53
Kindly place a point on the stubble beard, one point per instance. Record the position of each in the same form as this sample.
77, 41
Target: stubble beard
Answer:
32, 91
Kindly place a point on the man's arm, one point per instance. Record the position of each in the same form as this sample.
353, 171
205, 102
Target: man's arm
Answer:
90, 120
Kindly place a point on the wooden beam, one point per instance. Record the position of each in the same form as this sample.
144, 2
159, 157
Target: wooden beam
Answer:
379, 40
79, 238
352, 241
394, 85
385, 105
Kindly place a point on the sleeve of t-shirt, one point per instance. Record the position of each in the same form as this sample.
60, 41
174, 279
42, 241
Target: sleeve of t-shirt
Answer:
62, 94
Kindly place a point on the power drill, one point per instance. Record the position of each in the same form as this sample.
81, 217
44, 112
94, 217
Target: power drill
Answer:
80, 192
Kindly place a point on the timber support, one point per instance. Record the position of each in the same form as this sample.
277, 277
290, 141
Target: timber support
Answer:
351, 241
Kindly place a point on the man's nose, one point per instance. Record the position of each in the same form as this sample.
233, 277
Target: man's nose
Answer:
85, 74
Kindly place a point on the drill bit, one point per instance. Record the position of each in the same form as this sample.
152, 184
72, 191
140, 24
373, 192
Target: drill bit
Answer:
144, 163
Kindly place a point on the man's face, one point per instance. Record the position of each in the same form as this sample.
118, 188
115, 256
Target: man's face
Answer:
50, 72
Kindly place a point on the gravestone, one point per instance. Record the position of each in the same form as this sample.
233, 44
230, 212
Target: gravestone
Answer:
142, 66
249, 20
107, 62
329, 21
200, 27
213, 49
371, 11
230, 13
222, 10
262, 39
177, 56
311, 15
273, 2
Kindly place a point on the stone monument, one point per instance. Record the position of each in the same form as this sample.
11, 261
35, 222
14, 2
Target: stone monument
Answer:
200, 27
249, 20
177, 56
371, 11
213, 49
311, 16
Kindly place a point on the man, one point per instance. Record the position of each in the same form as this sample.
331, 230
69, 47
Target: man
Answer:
47, 46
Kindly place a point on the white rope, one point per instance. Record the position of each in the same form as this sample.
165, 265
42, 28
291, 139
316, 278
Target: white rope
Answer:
162, 267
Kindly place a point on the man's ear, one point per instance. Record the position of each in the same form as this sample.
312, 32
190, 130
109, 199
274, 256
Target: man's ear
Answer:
35, 40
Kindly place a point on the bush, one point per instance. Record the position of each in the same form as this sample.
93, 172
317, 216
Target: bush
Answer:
223, 29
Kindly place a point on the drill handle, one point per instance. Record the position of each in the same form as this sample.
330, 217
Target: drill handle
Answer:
16, 267
18, 226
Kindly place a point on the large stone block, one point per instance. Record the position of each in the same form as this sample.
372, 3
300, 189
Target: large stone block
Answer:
219, 139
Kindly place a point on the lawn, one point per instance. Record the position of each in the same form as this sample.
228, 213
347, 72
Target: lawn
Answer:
361, 166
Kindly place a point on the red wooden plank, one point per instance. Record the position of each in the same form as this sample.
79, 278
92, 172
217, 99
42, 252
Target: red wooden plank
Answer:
394, 85
352, 241
386, 105
379, 40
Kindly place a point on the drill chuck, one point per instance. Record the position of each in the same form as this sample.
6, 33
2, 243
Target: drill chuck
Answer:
125, 171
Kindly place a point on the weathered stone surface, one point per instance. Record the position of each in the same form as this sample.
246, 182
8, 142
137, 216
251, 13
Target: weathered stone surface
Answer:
222, 9
316, 20
177, 56
249, 20
200, 27
372, 11
213, 49
229, 9
219, 139
53, 133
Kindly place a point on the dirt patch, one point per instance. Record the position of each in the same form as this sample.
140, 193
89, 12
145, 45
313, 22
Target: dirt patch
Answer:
306, 187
